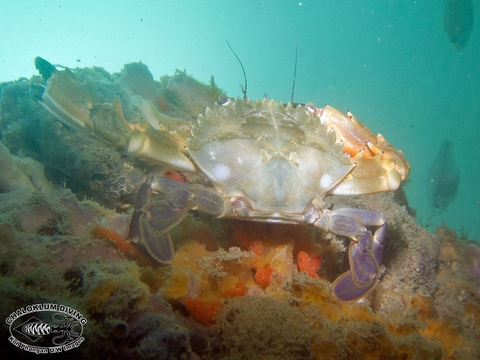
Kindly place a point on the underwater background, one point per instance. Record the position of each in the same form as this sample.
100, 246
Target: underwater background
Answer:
392, 63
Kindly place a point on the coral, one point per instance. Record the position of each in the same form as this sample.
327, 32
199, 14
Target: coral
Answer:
156, 336
473, 311
256, 327
425, 307
443, 333
473, 267
108, 285
19, 179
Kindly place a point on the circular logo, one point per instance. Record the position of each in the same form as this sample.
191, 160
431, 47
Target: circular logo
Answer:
46, 328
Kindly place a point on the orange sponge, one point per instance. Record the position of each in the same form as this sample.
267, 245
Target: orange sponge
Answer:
240, 289
204, 311
309, 264
123, 245
263, 276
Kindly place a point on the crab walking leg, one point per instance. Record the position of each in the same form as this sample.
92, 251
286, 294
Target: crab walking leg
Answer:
160, 206
365, 250
347, 287
196, 197
140, 201
363, 265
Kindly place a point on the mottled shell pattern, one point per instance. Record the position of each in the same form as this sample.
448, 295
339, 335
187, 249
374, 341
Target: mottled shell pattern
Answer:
278, 156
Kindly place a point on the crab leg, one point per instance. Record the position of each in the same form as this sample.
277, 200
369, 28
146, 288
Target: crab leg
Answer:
162, 204
365, 250
151, 222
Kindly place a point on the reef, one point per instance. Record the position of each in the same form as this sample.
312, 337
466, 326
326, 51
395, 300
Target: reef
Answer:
235, 289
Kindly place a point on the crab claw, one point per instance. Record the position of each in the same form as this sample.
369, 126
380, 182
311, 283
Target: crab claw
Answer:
378, 165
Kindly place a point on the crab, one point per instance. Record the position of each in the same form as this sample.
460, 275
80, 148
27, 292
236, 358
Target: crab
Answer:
251, 160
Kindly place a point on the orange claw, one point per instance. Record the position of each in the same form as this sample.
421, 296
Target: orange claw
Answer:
310, 265
354, 135
357, 138
204, 311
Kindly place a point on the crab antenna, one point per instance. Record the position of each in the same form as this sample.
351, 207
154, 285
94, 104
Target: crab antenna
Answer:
244, 88
294, 73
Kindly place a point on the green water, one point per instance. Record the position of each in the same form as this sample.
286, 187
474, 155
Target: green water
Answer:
389, 62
